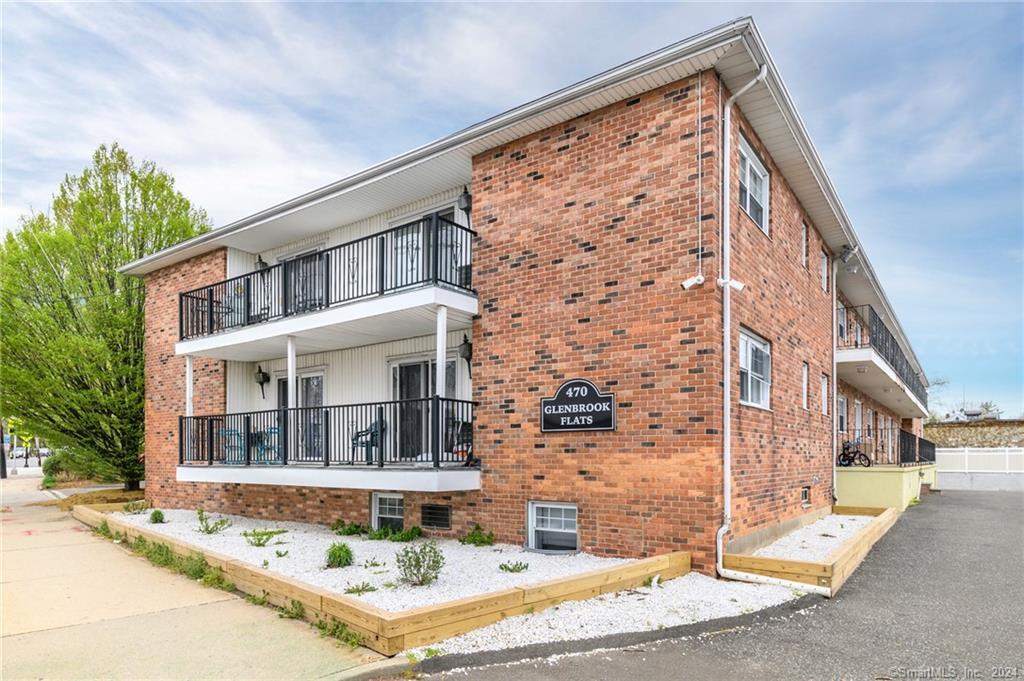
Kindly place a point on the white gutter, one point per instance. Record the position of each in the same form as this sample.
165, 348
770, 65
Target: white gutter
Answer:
726, 282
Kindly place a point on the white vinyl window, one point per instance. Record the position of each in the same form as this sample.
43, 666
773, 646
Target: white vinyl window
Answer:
753, 186
841, 413
858, 419
803, 243
824, 271
841, 322
388, 510
755, 370
869, 423
805, 380
552, 527
824, 394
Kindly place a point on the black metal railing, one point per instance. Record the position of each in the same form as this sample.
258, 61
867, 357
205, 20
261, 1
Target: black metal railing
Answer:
862, 327
428, 431
889, 446
433, 250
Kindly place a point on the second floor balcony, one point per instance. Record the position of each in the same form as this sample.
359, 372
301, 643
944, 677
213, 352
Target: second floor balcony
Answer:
432, 251
869, 357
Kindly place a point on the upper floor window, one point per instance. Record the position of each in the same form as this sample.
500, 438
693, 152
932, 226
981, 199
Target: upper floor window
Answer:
824, 271
755, 370
805, 380
803, 243
753, 186
824, 394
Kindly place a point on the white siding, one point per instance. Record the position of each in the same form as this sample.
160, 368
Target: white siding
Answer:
351, 376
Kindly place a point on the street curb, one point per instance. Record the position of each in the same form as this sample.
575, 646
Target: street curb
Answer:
541, 650
389, 667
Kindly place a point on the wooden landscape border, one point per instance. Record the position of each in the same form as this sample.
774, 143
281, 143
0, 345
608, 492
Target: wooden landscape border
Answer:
837, 567
391, 632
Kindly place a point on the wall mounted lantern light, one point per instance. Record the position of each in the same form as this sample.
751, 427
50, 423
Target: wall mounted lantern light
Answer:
262, 378
466, 353
465, 201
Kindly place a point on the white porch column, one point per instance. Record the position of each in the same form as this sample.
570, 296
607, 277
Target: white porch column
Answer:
293, 398
442, 349
188, 385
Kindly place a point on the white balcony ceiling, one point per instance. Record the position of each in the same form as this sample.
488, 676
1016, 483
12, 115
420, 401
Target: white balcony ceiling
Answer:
865, 370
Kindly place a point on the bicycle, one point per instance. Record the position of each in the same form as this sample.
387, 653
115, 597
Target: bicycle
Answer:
853, 454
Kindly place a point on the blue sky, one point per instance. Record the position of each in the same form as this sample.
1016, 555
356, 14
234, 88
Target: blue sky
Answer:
916, 111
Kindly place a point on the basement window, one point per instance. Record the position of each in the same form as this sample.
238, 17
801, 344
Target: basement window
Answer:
805, 496
753, 186
388, 510
436, 517
552, 527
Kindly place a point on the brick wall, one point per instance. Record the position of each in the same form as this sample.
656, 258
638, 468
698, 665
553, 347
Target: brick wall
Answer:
995, 433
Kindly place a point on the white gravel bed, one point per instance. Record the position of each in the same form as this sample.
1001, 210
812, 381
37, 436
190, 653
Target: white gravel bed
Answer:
816, 541
467, 571
691, 598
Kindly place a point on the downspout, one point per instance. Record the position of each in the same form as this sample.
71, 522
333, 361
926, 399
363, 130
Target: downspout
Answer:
835, 378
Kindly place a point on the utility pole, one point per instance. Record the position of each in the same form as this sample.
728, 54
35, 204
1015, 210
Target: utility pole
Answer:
3, 453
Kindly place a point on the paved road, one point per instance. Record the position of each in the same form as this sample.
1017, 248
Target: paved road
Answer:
78, 607
942, 591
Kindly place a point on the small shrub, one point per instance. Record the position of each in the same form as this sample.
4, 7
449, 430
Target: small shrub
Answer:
136, 507
338, 630
360, 589
262, 599
348, 529
389, 585
420, 565
339, 555
215, 578
160, 554
194, 566
157, 517
371, 563
280, 554
49, 482
265, 564
140, 546
407, 534
103, 530
206, 526
517, 566
431, 652
294, 611
53, 466
477, 537
379, 534
261, 537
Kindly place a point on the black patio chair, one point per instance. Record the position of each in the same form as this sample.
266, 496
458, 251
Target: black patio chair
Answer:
368, 439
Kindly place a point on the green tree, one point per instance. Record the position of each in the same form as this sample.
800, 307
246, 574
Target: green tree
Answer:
71, 326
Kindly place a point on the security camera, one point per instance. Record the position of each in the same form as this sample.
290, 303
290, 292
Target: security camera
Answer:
733, 284
695, 280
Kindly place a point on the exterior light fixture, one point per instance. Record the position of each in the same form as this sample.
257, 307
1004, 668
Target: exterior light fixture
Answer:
466, 353
465, 201
262, 266
262, 378
848, 252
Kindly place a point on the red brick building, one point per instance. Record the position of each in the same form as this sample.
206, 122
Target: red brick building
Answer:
379, 349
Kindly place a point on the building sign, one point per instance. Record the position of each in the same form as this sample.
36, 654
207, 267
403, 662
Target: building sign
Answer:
577, 405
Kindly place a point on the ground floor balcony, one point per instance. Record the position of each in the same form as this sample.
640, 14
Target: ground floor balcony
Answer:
887, 446
421, 444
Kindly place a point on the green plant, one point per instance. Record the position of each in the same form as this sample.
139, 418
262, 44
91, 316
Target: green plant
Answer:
295, 610
48, 482
194, 566
914, 502
103, 529
160, 554
136, 507
215, 578
261, 537
407, 534
348, 529
389, 585
420, 564
360, 589
280, 554
265, 564
262, 599
371, 563
339, 555
432, 652
157, 516
338, 630
477, 537
140, 545
380, 533
517, 566
206, 526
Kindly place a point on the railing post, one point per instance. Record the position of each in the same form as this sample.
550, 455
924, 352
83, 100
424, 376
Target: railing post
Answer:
246, 435
381, 250
326, 446
435, 224
209, 310
380, 437
181, 316
285, 288
246, 300
326, 261
285, 440
435, 431
181, 439
209, 441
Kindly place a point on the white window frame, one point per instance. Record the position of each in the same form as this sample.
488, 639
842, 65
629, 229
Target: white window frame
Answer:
750, 163
841, 321
858, 418
824, 394
841, 414
869, 422
749, 342
375, 516
805, 496
824, 271
804, 243
531, 524
806, 384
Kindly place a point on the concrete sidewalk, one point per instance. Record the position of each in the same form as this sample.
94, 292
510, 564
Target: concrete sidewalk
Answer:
77, 607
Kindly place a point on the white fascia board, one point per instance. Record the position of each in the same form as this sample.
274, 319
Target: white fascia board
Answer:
292, 326
338, 477
871, 356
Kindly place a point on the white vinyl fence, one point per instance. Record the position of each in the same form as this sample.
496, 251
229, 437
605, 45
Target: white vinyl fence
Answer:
980, 468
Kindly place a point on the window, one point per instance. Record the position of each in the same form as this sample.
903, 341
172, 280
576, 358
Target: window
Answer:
841, 413
805, 496
436, 516
858, 422
824, 271
387, 511
805, 380
841, 322
824, 394
753, 186
803, 244
755, 370
552, 526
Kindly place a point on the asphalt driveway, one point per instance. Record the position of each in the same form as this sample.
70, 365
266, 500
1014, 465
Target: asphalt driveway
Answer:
941, 596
